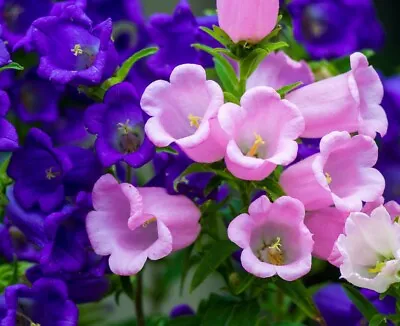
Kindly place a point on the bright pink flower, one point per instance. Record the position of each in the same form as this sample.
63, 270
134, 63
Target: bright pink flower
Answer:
326, 225
184, 111
340, 174
348, 102
278, 70
262, 133
247, 20
368, 253
132, 224
274, 238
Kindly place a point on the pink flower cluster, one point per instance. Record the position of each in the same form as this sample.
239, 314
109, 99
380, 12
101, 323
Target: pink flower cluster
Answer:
132, 224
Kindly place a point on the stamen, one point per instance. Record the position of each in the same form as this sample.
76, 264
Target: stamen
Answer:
275, 254
378, 268
20, 314
148, 222
328, 178
194, 120
397, 219
50, 174
256, 145
77, 50
124, 127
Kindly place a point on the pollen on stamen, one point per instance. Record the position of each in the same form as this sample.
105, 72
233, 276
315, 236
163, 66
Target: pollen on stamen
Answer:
77, 50
194, 120
256, 145
328, 178
148, 222
50, 174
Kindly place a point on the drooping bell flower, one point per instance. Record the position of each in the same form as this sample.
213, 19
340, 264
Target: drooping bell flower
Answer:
262, 133
135, 224
184, 111
41, 181
335, 28
348, 102
279, 70
341, 174
71, 50
119, 126
274, 238
249, 20
368, 253
8, 134
46, 303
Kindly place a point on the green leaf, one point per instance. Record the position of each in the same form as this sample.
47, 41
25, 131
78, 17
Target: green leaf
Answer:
218, 34
127, 287
272, 187
229, 97
245, 280
213, 258
224, 311
198, 168
249, 64
187, 264
185, 321
224, 69
299, 294
366, 308
12, 273
271, 47
167, 149
12, 65
378, 320
288, 88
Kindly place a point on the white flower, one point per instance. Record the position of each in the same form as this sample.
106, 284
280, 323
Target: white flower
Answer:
370, 250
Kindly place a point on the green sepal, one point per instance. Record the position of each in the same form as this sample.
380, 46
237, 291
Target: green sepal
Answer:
12, 65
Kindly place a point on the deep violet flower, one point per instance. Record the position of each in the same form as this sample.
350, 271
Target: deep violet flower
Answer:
8, 134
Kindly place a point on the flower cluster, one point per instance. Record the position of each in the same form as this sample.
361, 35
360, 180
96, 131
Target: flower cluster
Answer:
127, 139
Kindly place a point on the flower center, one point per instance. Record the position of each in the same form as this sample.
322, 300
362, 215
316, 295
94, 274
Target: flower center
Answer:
328, 178
50, 174
149, 221
194, 120
77, 50
272, 253
380, 264
129, 139
253, 152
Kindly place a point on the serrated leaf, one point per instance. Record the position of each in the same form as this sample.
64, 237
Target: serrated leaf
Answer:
167, 149
12, 65
366, 308
288, 88
300, 296
213, 258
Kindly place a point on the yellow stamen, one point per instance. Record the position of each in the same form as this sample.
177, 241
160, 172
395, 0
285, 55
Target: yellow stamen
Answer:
148, 222
77, 50
377, 269
397, 219
194, 120
275, 254
328, 178
124, 127
50, 174
256, 145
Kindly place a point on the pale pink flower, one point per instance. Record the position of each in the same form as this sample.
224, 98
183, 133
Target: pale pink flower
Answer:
184, 111
369, 250
340, 174
135, 224
326, 225
262, 133
348, 102
247, 20
274, 238
278, 70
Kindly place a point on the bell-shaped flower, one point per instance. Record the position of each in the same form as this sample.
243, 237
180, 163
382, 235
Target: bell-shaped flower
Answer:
279, 70
133, 224
184, 111
274, 238
262, 133
369, 250
340, 174
348, 102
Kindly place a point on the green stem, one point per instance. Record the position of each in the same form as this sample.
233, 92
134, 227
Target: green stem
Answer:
140, 321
